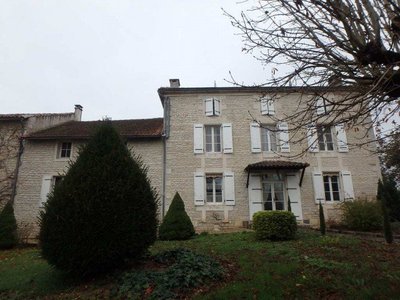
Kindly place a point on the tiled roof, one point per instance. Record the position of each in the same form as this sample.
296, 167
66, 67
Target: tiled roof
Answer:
143, 128
276, 164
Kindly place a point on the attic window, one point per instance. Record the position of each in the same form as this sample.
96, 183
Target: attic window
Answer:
212, 107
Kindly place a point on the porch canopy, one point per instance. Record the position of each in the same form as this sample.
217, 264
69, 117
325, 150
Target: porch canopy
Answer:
276, 165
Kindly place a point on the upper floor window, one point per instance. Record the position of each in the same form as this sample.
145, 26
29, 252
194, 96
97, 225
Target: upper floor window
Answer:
325, 139
64, 150
212, 107
267, 106
213, 138
268, 138
322, 106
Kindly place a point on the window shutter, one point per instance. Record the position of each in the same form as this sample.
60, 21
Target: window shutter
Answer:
267, 106
217, 107
293, 191
46, 186
320, 106
255, 137
199, 188
284, 137
227, 137
348, 190
312, 138
209, 106
255, 195
341, 138
319, 192
229, 188
198, 140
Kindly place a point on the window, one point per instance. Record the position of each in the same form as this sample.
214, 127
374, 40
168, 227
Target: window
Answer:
331, 187
213, 138
56, 180
268, 138
325, 140
214, 188
273, 192
212, 107
322, 106
267, 106
64, 150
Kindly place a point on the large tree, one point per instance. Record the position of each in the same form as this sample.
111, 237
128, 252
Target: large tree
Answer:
351, 43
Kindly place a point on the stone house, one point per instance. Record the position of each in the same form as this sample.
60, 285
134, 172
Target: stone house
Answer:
13, 127
225, 165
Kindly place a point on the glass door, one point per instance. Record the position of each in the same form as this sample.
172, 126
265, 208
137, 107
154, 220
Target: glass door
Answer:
273, 193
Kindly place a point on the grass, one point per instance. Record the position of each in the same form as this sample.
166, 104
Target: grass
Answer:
309, 267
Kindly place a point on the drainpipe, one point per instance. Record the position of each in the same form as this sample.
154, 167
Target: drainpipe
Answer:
165, 136
18, 164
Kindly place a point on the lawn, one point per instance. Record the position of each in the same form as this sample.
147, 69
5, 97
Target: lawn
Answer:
309, 267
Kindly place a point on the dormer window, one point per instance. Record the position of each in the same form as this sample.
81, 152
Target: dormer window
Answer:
212, 107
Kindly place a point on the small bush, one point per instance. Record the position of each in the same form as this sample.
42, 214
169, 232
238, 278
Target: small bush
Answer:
176, 224
275, 225
186, 270
8, 227
362, 215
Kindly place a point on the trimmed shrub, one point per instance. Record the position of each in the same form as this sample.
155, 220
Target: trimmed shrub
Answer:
176, 224
8, 227
322, 225
274, 225
362, 215
103, 211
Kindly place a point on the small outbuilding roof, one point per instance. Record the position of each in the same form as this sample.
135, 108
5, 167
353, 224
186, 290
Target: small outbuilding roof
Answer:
130, 129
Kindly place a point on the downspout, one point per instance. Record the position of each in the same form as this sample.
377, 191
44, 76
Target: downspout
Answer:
18, 164
165, 136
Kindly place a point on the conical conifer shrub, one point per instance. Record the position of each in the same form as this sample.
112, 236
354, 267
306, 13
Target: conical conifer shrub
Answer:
103, 211
322, 225
176, 224
8, 227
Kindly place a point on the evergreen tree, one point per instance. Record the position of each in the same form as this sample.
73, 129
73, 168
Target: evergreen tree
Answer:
387, 228
176, 224
8, 227
103, 211
322, 225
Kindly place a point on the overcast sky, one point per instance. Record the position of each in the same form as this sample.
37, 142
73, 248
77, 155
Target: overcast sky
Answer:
111, 56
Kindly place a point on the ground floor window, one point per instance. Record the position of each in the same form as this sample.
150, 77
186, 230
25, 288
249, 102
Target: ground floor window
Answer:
214, 188
331, 187
273, 192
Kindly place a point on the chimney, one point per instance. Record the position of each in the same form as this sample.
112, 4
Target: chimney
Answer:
78, 112
174, 83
